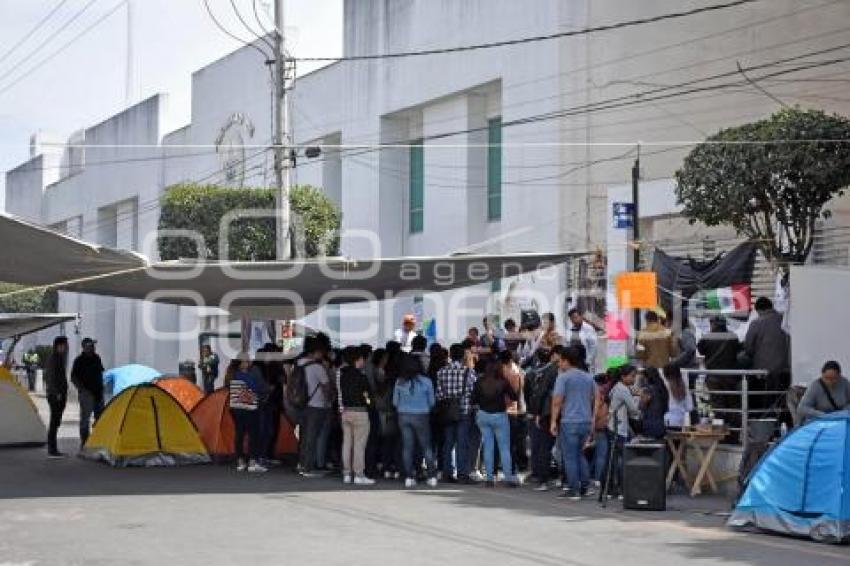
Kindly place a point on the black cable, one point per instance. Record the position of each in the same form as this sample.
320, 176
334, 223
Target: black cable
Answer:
224, 30
638, 98
49, 39
259, 20
63, 47
249, 28
573, 33
760, 88
655, 50
87, 164
32, 32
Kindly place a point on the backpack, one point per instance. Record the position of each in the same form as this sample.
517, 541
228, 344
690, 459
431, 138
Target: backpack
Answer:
541, 394
296, 387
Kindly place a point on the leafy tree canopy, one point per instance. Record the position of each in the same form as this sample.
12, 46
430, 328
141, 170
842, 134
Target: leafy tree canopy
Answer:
769, 179
29, 301
315, 222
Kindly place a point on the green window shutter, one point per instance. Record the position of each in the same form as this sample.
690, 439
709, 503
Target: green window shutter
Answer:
417, 187
494, 169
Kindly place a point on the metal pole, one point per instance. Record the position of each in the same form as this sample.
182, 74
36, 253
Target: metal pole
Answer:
281, 123
636, 225
745, 411
129, 69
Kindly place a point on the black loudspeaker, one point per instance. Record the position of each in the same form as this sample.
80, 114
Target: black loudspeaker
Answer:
644, 477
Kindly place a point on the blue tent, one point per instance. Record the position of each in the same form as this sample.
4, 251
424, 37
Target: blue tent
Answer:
120, 378
802, 486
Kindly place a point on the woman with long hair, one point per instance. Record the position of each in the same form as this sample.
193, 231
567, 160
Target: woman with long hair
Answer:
516, 410
681, 402
654, 401
413, 398
491, 394
389, 453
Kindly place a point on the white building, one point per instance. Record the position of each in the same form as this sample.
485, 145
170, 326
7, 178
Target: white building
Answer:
521, 143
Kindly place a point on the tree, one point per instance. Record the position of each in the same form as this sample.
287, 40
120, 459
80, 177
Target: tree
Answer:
200, 208
38, 301
770, 180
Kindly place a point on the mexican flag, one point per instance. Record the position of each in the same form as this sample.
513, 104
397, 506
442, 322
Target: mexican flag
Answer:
729, 299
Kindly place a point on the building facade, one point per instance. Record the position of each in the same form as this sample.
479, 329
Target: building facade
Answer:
505, 149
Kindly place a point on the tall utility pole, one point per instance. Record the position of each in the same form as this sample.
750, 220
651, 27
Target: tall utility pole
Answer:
129, 86
636, 224
636, 213
282, 166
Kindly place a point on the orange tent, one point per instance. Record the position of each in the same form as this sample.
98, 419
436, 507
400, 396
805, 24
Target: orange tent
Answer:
215, 425
184, 391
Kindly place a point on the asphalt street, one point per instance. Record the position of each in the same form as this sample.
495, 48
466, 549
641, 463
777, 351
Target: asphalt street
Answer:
72, 511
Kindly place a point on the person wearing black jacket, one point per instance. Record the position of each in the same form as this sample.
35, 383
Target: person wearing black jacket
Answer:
655, 400
539, 384
270, 366
354, 401
56, 382
87, 377
720, 348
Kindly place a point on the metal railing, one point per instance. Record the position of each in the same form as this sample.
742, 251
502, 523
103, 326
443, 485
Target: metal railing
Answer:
746, 393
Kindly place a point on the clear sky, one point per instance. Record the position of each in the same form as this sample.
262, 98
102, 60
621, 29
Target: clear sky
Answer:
85, 83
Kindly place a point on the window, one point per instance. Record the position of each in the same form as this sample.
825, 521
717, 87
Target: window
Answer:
494, 169
417, 187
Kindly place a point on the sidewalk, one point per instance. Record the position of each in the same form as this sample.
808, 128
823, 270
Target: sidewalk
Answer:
70, 419
707, 509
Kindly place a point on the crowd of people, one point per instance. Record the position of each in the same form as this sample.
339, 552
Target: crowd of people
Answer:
499, 407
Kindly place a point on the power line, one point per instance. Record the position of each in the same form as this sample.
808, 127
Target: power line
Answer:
32, 32
559, 35
249, 28
636, 99
49, 39
87, 164
259, 20
655, 50
151, 205
760, 88
224, 30
64, 46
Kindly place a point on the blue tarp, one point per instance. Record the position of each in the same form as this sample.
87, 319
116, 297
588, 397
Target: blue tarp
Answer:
802, 486
120, 378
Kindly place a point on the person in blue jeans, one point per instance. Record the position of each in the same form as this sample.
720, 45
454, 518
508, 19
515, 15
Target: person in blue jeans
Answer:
572, 418
491, 394
246, 389
455, 382
413, 398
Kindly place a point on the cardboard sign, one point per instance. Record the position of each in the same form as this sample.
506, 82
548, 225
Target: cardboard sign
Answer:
637, 290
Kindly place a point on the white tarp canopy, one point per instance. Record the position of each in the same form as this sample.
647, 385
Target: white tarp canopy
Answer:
38, 256
34, 255
19, 324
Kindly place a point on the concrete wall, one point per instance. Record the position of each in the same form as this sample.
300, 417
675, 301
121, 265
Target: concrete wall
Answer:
108, 194
557, 168
817, 303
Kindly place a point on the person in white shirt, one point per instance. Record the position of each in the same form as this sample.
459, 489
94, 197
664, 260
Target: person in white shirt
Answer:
581, 332
406, 333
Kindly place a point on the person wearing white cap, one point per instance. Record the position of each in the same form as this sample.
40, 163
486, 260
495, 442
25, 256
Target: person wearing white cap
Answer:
406, 333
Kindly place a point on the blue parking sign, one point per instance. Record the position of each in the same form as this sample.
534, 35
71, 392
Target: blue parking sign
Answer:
623, 214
